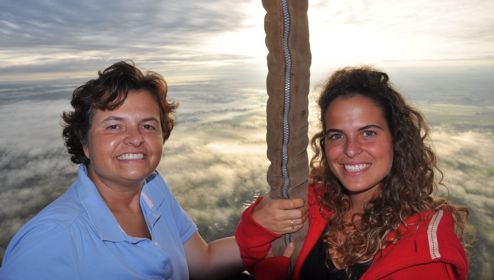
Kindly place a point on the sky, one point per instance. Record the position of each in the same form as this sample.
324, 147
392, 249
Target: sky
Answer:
69, 39
213, 57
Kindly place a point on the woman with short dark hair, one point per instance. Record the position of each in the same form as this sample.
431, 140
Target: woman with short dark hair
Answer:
118, 220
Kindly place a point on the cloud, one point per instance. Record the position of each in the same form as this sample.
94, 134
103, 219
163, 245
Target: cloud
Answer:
215, 175
467, 161
73, 38
67, 39
97, 25
215, 160
375, 31
442, 18
30, 180
32, 125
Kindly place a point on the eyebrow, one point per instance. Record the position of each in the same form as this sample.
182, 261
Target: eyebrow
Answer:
360, 129
150, 119
332, 130
116, 118
371, 126
112, 118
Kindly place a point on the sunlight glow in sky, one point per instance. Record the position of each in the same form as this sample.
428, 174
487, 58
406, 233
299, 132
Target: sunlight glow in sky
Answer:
66, 39
363, 32
378, 31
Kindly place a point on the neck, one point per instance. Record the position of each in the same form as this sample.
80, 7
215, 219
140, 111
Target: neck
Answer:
121, 200
358, 204
360, 200
119, 196
126, 208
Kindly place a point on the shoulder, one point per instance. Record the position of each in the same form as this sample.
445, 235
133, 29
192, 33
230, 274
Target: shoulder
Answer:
157, 187
35, 233
443, 241
47, 230
435, 229
159, 198
45, 246
63, 212
427, 238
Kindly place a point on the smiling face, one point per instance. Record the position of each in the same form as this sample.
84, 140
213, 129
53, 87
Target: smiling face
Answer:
358, 145
124, 145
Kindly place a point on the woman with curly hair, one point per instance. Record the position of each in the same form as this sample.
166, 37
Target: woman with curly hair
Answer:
371, 213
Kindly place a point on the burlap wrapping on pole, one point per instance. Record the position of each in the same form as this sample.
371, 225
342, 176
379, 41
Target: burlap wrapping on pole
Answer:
288, 74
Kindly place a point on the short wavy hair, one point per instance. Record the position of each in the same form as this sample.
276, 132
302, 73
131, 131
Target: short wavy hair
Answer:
108, 92
406, 190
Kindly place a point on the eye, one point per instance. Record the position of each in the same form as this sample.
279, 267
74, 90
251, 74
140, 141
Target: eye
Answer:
112, 127
369, 133
333, 137
149, 127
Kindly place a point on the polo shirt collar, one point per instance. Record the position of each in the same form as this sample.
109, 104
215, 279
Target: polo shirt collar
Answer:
152, 196
105, 224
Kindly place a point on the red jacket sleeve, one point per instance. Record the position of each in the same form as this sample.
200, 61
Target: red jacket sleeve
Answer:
274, 268
253, 239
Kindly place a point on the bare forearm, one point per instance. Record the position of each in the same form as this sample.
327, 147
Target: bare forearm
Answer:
225, 256
216, 260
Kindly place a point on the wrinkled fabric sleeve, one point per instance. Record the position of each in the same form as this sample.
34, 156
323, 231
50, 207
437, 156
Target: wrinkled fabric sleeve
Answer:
253, 239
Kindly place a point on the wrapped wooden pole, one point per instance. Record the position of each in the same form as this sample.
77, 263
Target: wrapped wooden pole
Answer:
287, 84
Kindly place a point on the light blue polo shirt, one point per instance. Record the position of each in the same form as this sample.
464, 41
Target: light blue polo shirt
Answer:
77, 237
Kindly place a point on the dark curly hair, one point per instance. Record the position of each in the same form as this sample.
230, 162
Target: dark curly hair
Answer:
108, 92
406, 190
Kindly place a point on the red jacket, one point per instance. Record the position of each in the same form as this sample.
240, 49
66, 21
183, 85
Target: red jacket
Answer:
431, 251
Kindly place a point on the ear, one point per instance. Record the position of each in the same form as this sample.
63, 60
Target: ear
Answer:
85, 149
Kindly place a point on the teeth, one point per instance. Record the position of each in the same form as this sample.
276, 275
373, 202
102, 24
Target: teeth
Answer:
356, 167
131, 156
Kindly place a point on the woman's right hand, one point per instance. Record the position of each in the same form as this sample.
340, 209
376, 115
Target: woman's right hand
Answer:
281, 216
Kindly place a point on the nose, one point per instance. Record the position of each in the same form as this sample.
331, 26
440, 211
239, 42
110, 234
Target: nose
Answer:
352, 147
134, 136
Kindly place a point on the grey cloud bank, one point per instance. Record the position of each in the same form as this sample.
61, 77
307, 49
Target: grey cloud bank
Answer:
42, 40
215, 159
67, 39
83, 25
